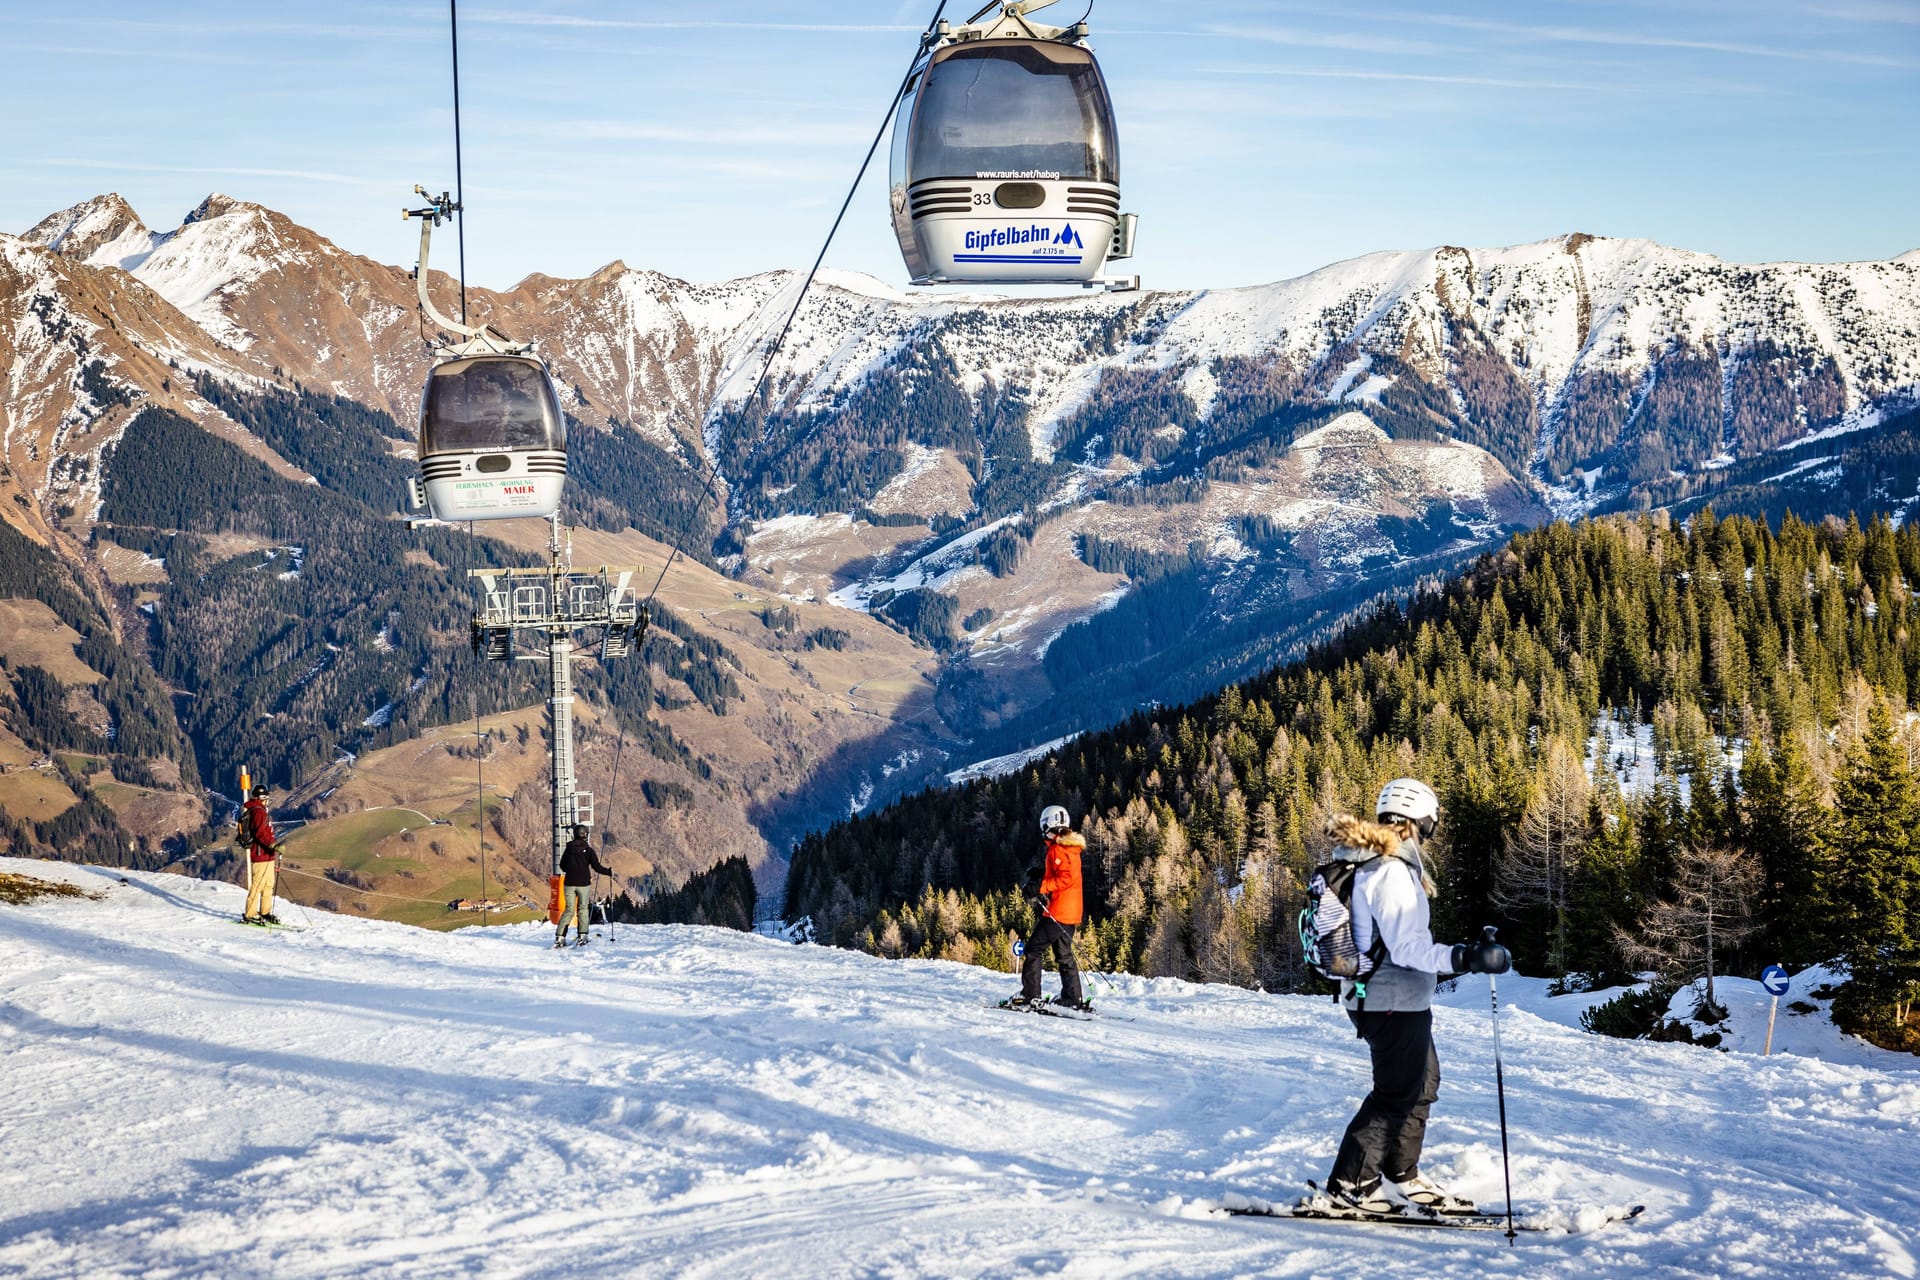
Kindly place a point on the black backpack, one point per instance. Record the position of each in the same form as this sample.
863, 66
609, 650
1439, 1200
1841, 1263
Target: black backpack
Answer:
1326, 925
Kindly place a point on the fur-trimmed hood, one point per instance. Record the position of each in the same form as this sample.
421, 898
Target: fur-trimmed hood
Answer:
1361, 841
1375, 839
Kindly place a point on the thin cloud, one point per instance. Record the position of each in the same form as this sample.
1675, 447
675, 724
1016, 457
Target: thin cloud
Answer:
199, 28
1590, 35
514, 18
1488, 82
1305, 39
217, 171
1898, 13
736, 135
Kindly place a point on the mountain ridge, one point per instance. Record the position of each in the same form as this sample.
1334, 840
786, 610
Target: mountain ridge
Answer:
1025, 488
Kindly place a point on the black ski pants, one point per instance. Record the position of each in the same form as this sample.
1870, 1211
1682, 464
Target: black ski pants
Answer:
1051, 933
1391, 1126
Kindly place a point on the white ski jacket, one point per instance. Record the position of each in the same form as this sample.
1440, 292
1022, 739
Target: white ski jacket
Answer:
1390, 903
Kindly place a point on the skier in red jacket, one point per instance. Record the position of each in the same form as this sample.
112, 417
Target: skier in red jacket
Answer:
256, 836
1054, 888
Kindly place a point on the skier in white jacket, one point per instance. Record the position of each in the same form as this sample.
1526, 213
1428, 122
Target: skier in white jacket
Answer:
1377, 1170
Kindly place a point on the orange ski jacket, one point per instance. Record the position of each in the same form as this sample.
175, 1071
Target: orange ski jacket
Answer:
1060, 883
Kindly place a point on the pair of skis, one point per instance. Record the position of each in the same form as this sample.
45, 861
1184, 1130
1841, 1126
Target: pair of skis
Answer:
1045, 1008
1314, 1208
271, 924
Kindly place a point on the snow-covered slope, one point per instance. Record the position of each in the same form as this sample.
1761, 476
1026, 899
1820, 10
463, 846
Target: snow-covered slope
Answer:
191, 1097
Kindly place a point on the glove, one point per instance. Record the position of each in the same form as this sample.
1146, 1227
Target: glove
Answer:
1038, 902
1481, 957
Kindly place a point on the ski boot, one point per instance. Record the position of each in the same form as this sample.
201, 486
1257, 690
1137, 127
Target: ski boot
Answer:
1019, 1002
1422, 1195
559, 940
581, 941
268, 918
1351, 1200
1077, 1006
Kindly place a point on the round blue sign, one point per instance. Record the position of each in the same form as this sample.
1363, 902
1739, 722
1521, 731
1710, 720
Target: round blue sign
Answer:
1019, 948
1775, 980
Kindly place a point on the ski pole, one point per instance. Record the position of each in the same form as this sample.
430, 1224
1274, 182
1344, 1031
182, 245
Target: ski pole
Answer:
606, 908
1500, 1087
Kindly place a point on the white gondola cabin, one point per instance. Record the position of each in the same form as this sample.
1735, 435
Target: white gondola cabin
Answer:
1006, 159
493, 441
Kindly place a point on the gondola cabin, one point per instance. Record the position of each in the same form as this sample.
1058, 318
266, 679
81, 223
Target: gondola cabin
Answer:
1006, 160
493, 443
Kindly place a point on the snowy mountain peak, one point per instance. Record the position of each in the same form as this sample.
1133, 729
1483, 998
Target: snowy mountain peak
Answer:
103, 231
217, 205
1352, 428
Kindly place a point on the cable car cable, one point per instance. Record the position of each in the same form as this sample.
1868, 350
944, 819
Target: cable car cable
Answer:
459, 186
773, 352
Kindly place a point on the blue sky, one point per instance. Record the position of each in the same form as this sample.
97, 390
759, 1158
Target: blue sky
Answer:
1258, 140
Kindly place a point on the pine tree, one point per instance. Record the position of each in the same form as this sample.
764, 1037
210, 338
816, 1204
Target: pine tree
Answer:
1780, 821
1603, 900
1874, 859
1543, 856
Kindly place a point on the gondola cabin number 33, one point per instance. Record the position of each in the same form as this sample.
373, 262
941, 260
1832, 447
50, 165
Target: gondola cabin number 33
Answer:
1006, 159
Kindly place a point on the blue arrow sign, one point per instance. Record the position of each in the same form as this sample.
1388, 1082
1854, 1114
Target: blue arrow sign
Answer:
1774, 978
1020, 949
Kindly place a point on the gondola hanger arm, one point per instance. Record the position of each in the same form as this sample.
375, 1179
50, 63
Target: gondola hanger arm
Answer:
439, 209
1014, 12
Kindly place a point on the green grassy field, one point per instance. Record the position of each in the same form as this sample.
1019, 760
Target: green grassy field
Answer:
405, 889
348, 841
114, 794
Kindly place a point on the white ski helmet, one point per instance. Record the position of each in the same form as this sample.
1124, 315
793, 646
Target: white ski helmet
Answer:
1054, 818
1411, 799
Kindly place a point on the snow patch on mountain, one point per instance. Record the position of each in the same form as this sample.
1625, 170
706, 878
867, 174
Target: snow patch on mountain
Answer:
938, 569
897, 494
995, 766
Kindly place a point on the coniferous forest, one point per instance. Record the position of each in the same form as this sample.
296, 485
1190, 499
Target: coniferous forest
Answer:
1678, 747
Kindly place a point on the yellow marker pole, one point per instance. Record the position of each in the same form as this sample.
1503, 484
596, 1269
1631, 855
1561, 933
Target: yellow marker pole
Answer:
1768, 1051
246, 785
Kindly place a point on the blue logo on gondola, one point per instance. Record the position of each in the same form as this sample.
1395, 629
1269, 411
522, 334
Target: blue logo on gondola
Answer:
1002, 244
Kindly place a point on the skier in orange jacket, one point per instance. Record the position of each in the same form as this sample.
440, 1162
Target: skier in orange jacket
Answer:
1054, 888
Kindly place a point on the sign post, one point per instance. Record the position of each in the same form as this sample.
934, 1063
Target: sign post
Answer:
246, 793
1774, 978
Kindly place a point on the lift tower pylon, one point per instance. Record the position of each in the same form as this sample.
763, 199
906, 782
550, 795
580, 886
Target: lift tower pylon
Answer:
554, 603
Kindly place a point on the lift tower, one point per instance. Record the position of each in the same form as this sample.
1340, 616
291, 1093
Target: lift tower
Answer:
552, 604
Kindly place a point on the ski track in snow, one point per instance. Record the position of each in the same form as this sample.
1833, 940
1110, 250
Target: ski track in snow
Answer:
188, 1097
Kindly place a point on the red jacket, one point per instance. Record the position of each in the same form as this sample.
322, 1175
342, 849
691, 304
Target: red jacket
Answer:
1060, 883
253, 820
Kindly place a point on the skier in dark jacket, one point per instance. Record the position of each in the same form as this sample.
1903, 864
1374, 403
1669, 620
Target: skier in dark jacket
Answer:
577, 868
1377, 1170
1054, 888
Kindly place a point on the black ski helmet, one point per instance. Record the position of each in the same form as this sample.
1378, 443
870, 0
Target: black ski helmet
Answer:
580, 830
260, 791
